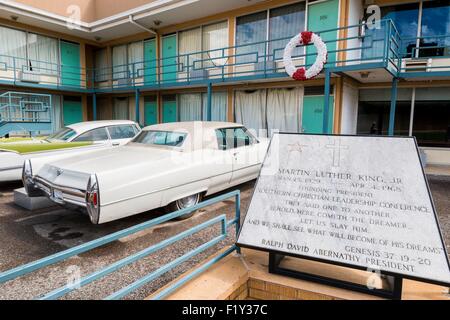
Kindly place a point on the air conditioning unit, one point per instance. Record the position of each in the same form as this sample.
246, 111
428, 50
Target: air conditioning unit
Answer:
200, 74
416, 65
124, 82
29, 76
270, 66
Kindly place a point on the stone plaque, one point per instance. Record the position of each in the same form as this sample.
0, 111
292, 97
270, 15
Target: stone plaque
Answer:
357, 201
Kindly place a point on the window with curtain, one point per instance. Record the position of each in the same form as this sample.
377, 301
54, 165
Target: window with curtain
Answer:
119, 61
219, 106
43, 54
283, 109
101, 65
251, 29
285, 22
14, 44
250, 110
121, 109
214, 38
435, 28
190, 107
189, 46
135, 59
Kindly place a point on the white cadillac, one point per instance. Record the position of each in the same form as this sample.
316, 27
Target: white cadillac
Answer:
70, 140
168, 165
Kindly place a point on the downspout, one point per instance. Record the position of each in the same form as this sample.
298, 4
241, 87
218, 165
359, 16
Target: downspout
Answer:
132, 21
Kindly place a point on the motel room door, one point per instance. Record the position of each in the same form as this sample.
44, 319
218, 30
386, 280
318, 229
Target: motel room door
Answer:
312, 117
70, 64
72, 111
169, 112
169, 61
323, 16
151, 111
150, 62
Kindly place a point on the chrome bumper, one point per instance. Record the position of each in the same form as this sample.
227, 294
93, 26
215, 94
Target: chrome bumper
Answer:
60, 194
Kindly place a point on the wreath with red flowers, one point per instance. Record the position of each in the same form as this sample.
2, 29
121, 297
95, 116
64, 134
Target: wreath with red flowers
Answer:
305, 38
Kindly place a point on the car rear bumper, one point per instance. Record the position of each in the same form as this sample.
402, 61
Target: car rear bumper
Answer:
61, 194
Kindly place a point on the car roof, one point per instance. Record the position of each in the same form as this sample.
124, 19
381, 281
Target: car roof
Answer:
201, 134
89, 125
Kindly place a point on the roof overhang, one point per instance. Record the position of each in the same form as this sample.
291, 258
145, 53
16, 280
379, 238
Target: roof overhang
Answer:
169, 12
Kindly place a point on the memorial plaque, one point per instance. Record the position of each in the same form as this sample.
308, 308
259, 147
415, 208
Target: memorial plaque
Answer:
355, 201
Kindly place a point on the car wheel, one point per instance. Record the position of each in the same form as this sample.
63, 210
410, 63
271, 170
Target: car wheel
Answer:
184, 203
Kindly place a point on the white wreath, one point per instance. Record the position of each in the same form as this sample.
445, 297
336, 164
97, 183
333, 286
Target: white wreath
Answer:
305, 38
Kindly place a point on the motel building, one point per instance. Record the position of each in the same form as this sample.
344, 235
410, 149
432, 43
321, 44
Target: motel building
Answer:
67, 61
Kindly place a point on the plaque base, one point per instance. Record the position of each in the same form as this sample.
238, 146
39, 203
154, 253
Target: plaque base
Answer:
396, 282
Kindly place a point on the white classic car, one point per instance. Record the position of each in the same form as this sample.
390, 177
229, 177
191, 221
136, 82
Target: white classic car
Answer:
168, 165
68, 141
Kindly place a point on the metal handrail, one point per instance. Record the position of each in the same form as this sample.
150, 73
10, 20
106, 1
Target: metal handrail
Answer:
58, 257
220, 63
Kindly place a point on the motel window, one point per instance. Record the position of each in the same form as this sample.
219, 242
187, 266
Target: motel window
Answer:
121, 110
34, 52
430, 111
128, 60
267, 111
207, 39
405, 18
101, 65
193, 106
278, 23
435, 28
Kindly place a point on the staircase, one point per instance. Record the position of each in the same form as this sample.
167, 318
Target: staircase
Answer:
25, 113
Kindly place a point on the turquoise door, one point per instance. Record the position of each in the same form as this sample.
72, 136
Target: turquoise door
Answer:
312, 117
151, 113
70, 64
169, 61
323, 16
150, 62
169, 111
72, 112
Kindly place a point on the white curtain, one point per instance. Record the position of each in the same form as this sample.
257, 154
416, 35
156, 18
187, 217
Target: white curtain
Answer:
190, 41
250, 109
121, 109
215, 36
283, 109
13, 44
43, 54
57, 114
190, 107
136, 58
103, 109
119, 58
101, 65
219, 106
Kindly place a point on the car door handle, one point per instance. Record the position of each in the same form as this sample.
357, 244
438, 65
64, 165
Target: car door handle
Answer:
116, 144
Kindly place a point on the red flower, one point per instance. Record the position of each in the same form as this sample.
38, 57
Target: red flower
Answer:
306, 37
299, 75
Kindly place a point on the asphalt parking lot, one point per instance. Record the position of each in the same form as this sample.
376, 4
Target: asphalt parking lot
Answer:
29, 236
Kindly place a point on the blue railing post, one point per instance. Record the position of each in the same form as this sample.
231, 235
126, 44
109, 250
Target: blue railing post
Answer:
94, 106
209, 105
393, 106
238, 218
137, 95
326, 109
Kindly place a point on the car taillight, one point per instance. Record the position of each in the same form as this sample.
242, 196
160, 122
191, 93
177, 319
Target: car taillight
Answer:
93, 199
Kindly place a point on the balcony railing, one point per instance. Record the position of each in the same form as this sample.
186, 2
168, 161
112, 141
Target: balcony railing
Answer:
356, 47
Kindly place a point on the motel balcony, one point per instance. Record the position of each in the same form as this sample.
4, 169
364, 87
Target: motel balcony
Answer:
366, 54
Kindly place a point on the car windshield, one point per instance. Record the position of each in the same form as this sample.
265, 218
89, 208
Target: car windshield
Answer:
63, 134
161, 138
